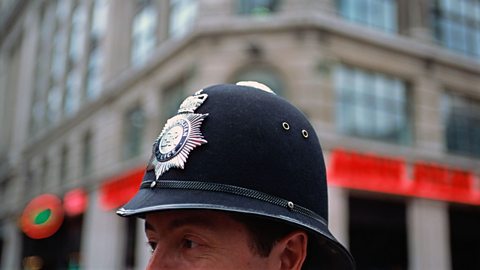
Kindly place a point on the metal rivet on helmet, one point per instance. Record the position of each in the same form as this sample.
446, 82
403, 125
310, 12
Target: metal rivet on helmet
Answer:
305, 133
290, 205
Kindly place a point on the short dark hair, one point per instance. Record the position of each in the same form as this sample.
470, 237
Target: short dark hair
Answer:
264, 232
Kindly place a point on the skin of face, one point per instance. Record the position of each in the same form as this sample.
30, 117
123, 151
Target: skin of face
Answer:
213, 240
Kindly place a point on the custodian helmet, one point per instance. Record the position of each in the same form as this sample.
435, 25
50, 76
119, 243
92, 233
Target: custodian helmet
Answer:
242, 149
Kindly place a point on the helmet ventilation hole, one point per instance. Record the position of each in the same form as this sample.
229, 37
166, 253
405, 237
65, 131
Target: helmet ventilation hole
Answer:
305, 133
286, 126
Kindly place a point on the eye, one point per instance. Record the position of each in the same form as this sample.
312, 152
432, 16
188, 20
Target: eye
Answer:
152, 246
189, 244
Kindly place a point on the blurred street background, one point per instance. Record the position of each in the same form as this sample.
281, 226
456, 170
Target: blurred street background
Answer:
392, 88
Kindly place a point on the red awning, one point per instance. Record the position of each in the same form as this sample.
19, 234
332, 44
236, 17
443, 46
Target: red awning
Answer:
119, 189
375, 173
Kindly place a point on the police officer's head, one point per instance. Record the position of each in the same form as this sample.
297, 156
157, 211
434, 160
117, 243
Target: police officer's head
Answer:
239, 154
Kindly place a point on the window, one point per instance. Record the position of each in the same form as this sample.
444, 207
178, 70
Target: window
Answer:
71, 100
172, 97
54, 102
258, 7
44, 177
457, 25
95, 60
61, 11
99, 19
462, 124
77, 32
87, 154
372, 105
143, 31
383, 225
30, 183
380, 14
37, 114
95, 56
57, 67
182, 17
58, 54
64, 164
134, 127
262, 75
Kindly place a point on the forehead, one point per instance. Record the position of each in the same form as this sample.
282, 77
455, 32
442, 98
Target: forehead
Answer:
199, 218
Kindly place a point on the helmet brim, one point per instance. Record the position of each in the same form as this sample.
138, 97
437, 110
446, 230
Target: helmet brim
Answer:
331, 254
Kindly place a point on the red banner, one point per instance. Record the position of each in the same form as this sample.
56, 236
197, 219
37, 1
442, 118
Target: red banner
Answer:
120, 189
388, 175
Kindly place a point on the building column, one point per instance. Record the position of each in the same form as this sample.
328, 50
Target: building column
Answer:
428, 235
338, 213
11, 246
24, 84
416, 17
102, 237
117, 42
142, 253
427, 128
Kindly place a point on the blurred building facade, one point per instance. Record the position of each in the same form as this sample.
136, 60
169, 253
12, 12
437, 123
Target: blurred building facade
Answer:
392, 88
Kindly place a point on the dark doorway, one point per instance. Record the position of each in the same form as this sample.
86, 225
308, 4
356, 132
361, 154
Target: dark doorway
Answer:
465, 237
378, 234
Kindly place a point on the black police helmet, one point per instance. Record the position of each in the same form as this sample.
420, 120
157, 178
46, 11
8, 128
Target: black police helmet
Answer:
242, 149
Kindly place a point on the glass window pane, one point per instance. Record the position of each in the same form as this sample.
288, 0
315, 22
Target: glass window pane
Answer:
258, 7
182, 17
99, 18
375, 108
54, 100
93, 73
458, 24
61, 10
72, 93
477, 43
461, 117
380, 14
77, 32
143, 32
134, 127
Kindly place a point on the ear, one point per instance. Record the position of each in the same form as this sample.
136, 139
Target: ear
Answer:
290, 251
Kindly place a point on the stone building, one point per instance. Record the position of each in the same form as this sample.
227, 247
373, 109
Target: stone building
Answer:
392, 88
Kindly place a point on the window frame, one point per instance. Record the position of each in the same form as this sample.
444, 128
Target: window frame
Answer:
449, 19
129, 135
348, 120
143, 40
349, 10
470, 107
258, 7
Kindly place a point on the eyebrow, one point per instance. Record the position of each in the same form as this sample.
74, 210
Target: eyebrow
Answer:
194, 220
149, 226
